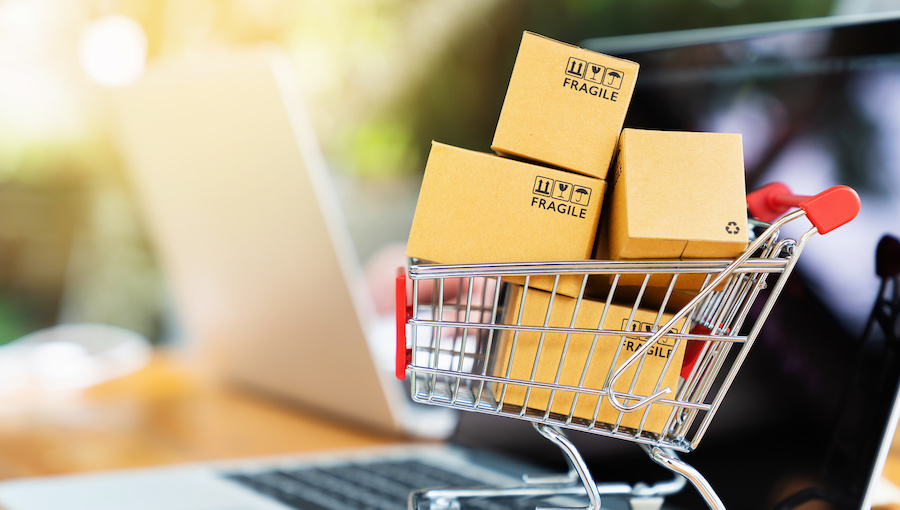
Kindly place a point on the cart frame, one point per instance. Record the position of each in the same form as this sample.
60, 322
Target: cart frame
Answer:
452, 354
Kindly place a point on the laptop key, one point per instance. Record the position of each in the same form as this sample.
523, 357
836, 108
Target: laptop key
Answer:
374, 481
364, 486
293, 493
349, 491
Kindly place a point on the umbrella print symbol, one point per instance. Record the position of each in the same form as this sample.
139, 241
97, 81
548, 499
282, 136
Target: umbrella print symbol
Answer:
613, 79
581, 192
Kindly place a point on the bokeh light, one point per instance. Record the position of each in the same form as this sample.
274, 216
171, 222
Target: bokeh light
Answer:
113, 50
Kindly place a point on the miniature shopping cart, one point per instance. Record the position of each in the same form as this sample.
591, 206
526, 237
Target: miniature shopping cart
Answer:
643, 351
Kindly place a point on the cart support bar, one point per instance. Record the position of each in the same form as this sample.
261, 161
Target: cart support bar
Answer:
826, 211
673, 463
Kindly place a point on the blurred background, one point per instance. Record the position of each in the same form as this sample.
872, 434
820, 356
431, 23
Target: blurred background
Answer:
382, 78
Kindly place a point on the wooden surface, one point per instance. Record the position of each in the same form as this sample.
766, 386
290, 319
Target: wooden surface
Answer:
165, 413
169, 413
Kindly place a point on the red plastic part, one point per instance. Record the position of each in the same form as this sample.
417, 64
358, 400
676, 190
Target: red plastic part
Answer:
695, 347
832, 208
404, 355
826, 211
768, 203
692, 350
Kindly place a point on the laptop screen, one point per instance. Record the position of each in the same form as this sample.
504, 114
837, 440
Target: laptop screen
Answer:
817, 106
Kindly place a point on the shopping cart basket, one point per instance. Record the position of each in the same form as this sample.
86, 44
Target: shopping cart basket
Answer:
621, 356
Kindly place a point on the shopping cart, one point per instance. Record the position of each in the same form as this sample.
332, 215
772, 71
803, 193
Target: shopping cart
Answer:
623, 355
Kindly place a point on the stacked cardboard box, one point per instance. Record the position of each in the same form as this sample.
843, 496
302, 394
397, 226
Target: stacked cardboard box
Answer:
672, 195
675, 195
583, 360
561, 120
475, 207
565, 106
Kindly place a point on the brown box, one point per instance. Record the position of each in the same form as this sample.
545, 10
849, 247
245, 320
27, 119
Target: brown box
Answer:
676, 195
565, 106
654, 375
475, 207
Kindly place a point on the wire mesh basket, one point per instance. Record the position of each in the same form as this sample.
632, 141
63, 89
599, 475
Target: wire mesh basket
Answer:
643, 351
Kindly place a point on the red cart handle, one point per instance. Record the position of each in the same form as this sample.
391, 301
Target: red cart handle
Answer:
404, 313
826, 211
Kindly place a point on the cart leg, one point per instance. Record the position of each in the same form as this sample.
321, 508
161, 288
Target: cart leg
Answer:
670, 460
577, 482
577, 465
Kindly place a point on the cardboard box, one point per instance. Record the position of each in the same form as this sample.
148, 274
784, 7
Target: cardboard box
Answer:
676, 195
660, 369
475, 207
652, 298
565, 106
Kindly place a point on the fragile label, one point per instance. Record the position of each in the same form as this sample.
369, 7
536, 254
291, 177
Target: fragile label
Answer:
593, 79
661, 349
560, 197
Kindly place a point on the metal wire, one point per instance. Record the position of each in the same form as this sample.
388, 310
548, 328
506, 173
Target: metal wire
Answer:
468, 351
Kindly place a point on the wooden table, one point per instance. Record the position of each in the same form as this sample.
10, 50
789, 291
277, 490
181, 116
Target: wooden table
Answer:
169, 413
165, 413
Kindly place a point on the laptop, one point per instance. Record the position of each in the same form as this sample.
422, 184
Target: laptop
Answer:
784, 421
235, 195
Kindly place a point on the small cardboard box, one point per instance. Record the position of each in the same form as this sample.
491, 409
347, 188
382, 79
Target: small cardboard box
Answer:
475, 207
564, 106
660, 368
677, 195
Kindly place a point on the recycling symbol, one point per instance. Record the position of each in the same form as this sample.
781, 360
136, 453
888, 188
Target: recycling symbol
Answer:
732, 227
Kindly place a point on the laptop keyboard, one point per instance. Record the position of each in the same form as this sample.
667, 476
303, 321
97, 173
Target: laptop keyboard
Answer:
369, 486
